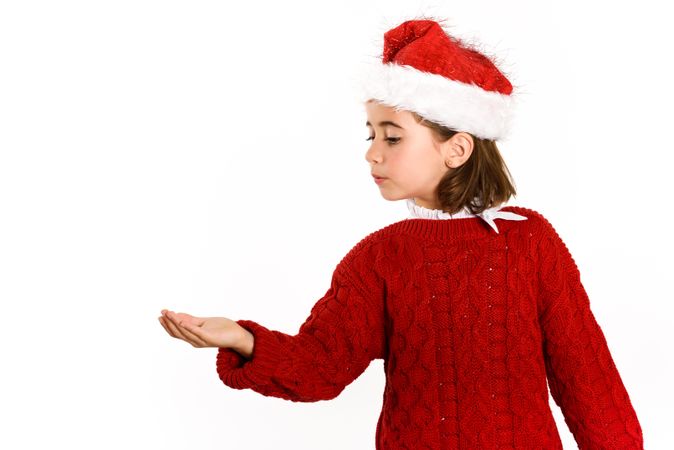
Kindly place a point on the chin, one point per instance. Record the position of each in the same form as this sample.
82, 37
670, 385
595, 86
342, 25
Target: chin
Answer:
392, 196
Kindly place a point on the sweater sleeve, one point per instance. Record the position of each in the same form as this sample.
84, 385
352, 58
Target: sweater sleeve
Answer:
334, 345
582, 376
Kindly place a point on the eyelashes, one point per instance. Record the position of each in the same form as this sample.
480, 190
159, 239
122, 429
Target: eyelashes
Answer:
390, 140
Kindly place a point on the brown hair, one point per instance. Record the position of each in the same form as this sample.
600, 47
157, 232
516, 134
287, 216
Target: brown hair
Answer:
481, 182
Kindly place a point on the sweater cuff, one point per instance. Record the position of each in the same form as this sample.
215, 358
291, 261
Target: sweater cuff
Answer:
238, 372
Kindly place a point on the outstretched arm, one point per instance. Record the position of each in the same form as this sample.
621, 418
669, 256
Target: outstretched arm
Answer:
336, 343
583, 378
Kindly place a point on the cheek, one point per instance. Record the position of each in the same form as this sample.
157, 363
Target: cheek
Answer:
414, 163
402, 167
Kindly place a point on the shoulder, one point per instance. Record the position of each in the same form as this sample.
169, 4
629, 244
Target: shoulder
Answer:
365, 264
377, 254
547, 240
368, 248
537, 223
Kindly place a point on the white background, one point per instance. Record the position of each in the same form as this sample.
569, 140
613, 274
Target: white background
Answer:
208, 157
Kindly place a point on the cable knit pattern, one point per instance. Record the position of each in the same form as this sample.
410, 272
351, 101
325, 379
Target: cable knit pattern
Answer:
471, 324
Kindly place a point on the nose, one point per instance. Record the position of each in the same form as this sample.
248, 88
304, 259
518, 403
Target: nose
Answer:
372, 154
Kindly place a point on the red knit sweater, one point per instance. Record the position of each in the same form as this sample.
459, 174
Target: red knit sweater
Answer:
470, 324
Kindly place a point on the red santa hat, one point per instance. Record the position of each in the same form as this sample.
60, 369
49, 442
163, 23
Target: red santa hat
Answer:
426, 70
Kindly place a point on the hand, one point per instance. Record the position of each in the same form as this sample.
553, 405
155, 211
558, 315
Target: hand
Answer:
201, 331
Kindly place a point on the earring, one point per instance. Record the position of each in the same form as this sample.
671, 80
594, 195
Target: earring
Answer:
447, 165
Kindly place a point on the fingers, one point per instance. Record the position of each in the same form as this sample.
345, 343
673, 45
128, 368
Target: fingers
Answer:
171, 326
191, 332
171, 322
162, 321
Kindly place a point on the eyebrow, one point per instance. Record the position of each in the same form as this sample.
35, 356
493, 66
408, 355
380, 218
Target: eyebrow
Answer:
385, 122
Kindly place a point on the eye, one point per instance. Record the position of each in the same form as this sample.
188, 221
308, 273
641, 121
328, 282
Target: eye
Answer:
392, 140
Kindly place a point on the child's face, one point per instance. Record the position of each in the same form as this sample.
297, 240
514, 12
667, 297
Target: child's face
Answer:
411, 162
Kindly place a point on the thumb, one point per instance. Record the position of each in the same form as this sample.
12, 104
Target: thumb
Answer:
185, 318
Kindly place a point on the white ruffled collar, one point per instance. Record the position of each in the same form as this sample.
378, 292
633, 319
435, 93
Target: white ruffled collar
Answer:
488, 215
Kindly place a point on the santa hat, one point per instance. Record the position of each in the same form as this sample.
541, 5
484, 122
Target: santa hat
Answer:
426, 70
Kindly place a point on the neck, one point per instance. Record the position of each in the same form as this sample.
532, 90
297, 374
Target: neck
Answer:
430, 204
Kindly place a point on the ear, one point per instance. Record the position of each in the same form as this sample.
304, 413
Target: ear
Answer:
458, 148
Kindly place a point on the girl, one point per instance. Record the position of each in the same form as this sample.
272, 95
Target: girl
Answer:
475, 307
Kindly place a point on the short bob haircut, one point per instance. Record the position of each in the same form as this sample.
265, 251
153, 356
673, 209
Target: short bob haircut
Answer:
481, 182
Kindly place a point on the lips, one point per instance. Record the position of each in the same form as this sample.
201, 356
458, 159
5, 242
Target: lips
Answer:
378, 179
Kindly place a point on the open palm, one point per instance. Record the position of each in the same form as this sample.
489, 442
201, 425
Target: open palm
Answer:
201, 331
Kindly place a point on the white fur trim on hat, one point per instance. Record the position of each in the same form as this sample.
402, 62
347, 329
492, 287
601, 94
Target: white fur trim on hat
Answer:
454, 104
